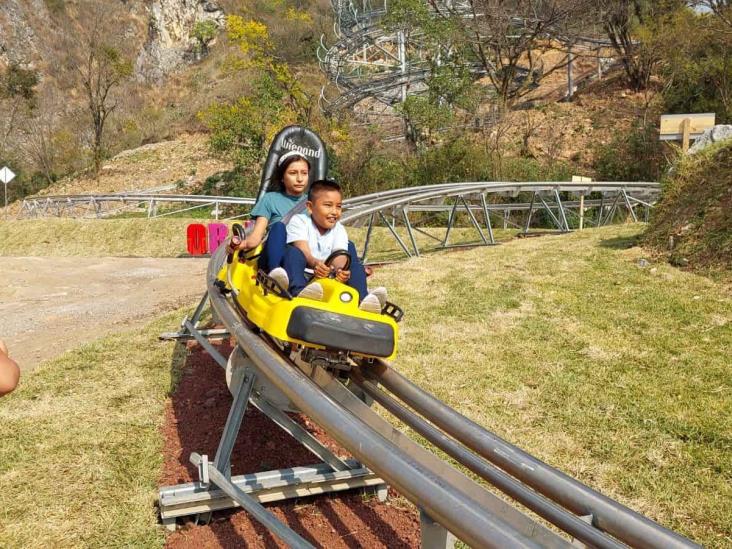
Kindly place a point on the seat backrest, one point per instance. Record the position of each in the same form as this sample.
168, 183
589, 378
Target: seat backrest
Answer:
302, 140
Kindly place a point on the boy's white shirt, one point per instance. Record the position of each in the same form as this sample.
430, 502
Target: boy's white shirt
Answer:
301, 227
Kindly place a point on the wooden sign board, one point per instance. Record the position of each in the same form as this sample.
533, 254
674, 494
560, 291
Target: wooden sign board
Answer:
672, 125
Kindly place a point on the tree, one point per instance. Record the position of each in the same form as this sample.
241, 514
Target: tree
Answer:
698, 69
634, 28
96, 56
103, 70
426, 41
18, 91
505, 39
721, 8
240, 130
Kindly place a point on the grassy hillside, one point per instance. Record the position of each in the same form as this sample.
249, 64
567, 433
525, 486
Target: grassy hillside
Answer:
692, 225
616, 373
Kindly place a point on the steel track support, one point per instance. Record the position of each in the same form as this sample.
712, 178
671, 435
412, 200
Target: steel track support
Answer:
473, 220
629, 206
601, 210
450, 221
487, 217
217, 489
433, 237
613, 208
368, 237
252, 506
222, 461
408, 225
434, 534
184, 334
531, 211
562, 214
393, 231
296, 431
555, 219
210, 349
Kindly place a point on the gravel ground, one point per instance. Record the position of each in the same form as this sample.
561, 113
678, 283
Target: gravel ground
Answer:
51, 304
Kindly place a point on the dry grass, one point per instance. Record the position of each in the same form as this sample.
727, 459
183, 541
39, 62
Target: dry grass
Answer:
384, 247
617, 374
94, 237
166, 237
81, 449
692, 224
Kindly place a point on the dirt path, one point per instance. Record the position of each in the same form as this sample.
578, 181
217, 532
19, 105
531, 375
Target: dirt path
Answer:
51, 304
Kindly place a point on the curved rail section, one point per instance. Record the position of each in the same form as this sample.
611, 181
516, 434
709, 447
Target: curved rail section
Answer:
446, 497
408, 207
609, 197
106, 205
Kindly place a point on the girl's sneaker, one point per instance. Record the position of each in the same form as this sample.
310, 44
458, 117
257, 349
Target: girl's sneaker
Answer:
279, 275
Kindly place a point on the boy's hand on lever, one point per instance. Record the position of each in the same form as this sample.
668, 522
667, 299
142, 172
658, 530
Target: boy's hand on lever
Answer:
237, 243
234, 244
321, 269
342, 275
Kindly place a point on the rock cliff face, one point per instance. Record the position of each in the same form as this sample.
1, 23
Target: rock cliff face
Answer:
19, 42
31, 31
171, 42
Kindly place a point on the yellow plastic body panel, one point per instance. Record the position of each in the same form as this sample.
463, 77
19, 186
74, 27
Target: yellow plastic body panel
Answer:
272, 313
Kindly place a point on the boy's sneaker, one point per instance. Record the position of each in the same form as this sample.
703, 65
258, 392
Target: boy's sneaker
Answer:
381, 294
312, 291
279, 275
371, 304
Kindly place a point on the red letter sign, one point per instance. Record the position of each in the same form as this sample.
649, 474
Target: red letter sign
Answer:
196, 239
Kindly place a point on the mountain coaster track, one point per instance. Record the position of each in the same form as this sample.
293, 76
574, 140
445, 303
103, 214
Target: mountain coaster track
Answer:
446, 497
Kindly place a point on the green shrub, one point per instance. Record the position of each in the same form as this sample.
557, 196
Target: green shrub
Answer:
633, 156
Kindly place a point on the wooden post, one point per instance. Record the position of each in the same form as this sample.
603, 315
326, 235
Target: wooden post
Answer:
686, 127
582, 211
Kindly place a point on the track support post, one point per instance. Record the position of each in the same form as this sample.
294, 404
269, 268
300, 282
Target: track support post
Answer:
434, 535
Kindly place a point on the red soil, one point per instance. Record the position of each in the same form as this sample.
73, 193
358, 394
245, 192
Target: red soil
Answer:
194, 419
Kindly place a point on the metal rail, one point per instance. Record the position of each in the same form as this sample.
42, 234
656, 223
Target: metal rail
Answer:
568, 522
607, 514
446, 495
471, 197
105, 205
465, 508
98, 205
